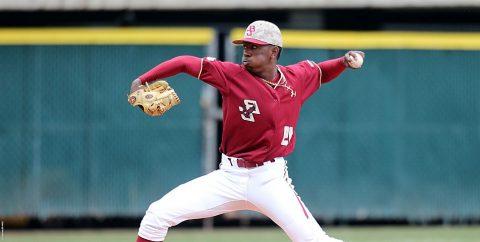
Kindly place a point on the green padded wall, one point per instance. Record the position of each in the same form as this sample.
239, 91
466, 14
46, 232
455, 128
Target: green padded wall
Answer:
399, 138
72, 145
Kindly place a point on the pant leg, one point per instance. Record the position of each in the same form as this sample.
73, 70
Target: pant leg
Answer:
207, 196
270, 190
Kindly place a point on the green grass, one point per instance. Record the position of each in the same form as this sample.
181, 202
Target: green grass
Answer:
348, 234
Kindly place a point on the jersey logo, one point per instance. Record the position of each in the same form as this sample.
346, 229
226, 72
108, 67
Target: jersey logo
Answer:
249, 110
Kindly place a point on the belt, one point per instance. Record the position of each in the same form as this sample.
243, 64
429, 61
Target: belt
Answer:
243, 163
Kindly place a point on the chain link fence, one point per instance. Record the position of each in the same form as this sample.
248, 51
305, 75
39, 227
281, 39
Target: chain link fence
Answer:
72, 145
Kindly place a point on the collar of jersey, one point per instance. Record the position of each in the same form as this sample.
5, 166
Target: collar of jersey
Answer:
281, 75
282, 80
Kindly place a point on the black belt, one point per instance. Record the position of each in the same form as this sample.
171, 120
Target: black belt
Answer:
249, 164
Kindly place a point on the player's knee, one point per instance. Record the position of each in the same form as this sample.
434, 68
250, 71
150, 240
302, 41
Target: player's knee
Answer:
155, 223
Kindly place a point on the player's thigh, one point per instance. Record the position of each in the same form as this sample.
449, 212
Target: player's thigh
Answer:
206, 196
277, 200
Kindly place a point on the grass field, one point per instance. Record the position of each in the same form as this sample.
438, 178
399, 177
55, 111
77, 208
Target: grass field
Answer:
348, 234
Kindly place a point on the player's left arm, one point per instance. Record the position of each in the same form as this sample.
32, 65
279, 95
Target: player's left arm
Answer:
190, 65
334, 67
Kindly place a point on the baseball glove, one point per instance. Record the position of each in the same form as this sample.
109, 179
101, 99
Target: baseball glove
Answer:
154, 99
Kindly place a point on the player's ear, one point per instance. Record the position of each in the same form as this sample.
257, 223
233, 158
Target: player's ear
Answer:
275, 52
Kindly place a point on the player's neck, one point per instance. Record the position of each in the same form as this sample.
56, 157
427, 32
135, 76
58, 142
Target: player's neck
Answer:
268, 73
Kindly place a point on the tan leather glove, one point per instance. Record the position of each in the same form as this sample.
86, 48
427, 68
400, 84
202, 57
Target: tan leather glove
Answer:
154, 99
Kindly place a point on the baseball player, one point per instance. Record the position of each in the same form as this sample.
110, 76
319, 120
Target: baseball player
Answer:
261, 103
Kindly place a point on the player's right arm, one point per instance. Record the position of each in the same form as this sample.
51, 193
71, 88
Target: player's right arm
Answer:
334, 67
190, 65
326, 71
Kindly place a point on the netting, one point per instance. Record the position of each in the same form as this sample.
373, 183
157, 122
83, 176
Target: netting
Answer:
72, 145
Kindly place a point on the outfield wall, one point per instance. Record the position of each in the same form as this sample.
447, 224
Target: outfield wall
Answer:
71, 143
397, 139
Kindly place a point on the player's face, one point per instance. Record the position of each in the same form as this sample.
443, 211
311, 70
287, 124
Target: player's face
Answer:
256, 56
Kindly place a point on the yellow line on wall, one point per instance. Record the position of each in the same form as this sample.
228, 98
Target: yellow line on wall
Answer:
377, 40
105, 36
204, 36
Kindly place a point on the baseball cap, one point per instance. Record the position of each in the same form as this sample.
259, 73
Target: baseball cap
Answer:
261, 32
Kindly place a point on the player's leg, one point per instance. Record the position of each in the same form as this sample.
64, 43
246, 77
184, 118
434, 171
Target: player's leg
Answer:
271, 192
213, 194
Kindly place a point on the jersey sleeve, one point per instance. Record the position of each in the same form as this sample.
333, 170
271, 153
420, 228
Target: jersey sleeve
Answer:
212, 72
310, 77
184, 63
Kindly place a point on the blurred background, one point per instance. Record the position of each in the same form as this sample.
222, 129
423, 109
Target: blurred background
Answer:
394, 144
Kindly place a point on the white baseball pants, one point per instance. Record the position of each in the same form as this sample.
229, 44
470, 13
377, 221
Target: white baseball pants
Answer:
266, 189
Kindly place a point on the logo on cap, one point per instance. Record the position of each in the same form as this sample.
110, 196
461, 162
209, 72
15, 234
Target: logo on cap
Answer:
250, 30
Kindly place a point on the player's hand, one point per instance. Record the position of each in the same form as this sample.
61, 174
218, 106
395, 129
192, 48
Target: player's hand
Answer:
135, 85
354, 59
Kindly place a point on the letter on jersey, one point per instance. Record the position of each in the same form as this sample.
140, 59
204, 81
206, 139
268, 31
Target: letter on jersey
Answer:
287, 135
249, 110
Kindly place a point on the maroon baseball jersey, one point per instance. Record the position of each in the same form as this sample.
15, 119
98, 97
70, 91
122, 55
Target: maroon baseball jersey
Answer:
259, 120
